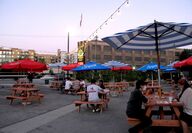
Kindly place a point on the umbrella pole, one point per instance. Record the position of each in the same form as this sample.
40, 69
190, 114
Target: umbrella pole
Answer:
157, 50
152, 77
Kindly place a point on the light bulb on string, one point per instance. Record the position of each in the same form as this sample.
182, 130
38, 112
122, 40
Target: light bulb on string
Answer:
127, 3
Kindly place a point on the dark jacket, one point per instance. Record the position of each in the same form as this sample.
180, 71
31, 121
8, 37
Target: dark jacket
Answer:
134, 105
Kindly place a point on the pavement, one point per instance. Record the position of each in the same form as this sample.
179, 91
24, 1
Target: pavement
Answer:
57, 114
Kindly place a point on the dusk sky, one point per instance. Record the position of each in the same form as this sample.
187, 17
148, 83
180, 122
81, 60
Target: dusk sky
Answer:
42, 25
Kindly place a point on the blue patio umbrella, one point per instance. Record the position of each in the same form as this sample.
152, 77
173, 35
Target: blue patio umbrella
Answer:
91, 66
170, 69
150, 67
154, 36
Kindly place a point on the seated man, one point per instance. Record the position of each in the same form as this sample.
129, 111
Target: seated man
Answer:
93, 94
134, 108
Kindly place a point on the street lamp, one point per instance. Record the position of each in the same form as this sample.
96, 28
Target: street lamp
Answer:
67, 52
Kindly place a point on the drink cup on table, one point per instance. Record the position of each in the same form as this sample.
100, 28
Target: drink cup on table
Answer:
170, 99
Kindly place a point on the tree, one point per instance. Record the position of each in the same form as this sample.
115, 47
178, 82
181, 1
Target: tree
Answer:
186, 53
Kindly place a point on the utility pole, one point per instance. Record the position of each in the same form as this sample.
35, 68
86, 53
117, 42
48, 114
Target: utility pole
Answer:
96, 38
68, 52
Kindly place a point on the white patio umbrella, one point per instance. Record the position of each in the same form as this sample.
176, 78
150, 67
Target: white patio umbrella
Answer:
112, 64
154, 36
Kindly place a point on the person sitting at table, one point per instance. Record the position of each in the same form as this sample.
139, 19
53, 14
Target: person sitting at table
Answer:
82, 85
101, 84
93, 94
68, 85
134, 108
186, 98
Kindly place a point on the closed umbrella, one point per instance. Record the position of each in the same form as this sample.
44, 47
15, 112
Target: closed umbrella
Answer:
154, 36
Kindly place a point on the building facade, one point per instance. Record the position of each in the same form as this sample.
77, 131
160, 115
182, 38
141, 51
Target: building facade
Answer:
12, 54
101, 52
64, 57
46, 58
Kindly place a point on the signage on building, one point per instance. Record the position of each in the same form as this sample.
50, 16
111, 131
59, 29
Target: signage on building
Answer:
81, 53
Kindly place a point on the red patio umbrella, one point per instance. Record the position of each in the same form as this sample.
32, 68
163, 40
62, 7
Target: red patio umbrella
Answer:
70, 66
184, 63
128, 68
25, 65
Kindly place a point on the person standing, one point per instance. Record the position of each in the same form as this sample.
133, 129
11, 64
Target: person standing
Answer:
134, 108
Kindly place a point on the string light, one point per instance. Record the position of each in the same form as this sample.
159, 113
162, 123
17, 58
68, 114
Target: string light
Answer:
94, 34
106, 22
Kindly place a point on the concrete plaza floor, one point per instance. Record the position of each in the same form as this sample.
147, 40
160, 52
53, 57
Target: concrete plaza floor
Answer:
57, 114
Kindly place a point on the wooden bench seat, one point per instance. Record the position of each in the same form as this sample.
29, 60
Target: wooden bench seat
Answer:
164, 123
41, 95
11, 98
78, 103
23, 98
73, 91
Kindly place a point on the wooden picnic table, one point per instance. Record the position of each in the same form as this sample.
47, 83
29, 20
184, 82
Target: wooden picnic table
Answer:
24, 85
83, 94
115, 88
161, 103
83, 100
56, 84
25, 94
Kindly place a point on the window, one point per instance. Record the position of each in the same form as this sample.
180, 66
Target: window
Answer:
147, 52
98, 57
129, 58
162, 60
138, 59
98, 48
138, 52
107, 48
118, 58
162, 52
146, 59
118, 50
107, 57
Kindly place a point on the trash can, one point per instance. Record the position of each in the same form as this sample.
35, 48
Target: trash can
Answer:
46, 81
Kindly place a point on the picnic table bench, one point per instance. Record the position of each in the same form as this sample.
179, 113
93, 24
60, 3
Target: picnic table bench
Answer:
103, 102
25, 95
56, 85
